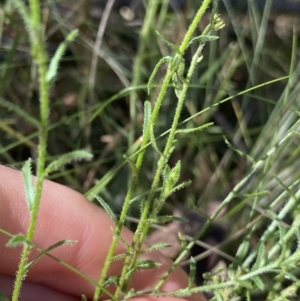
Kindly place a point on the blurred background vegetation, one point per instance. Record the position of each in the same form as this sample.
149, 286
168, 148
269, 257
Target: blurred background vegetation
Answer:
97, 102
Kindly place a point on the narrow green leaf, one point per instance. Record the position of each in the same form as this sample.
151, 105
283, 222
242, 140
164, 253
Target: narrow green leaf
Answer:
147, 115
28, 183
143, 204
157, 246
140, 196
166, 219
106, 207
243, 249
64, 159
182, 239
119, 257
53, 67
231, 271
146, 264
245, 284
153, 141
142, 264
174, 175
260, 259
297, 232
17, 240
180, 186
259, 283
49, 249
111, 280
166, 171
167, 191
3, 297
193, 130
218, 296
248, 295
157, 66
171, 45
192, 272
203, 39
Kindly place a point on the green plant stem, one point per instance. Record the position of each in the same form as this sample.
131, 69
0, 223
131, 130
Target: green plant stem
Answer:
35, 13
38, 47
139, 160
138, 63
257, 166
188, 36
129, 194
143, 226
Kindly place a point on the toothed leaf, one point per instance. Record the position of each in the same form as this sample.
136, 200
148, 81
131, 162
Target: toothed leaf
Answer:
192, 272
180, 186
171, 45
166, 171
161, 61
157, 246
260, 259
17, 240
147, 115
153, 141
119, 257
28, 183
106, 207
259, 283
111, 280
64, 159
53, 67
203, 39
146, 264
166, 219
174, 175
49, 249
200, 128
245, 284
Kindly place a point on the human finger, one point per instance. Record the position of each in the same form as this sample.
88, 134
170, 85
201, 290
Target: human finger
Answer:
66, 214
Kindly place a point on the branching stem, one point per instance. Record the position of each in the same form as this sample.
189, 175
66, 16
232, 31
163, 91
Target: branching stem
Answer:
40, 59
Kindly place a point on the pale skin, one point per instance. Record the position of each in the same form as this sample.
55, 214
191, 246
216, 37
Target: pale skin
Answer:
66, 214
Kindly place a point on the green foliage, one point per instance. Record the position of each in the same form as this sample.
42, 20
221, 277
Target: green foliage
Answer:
58, 164
17, 240
48, 250
106, 207
28, 184
255, 172
54, 63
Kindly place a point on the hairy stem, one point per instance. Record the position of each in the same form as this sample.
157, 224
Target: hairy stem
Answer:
143, 226
40, 59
